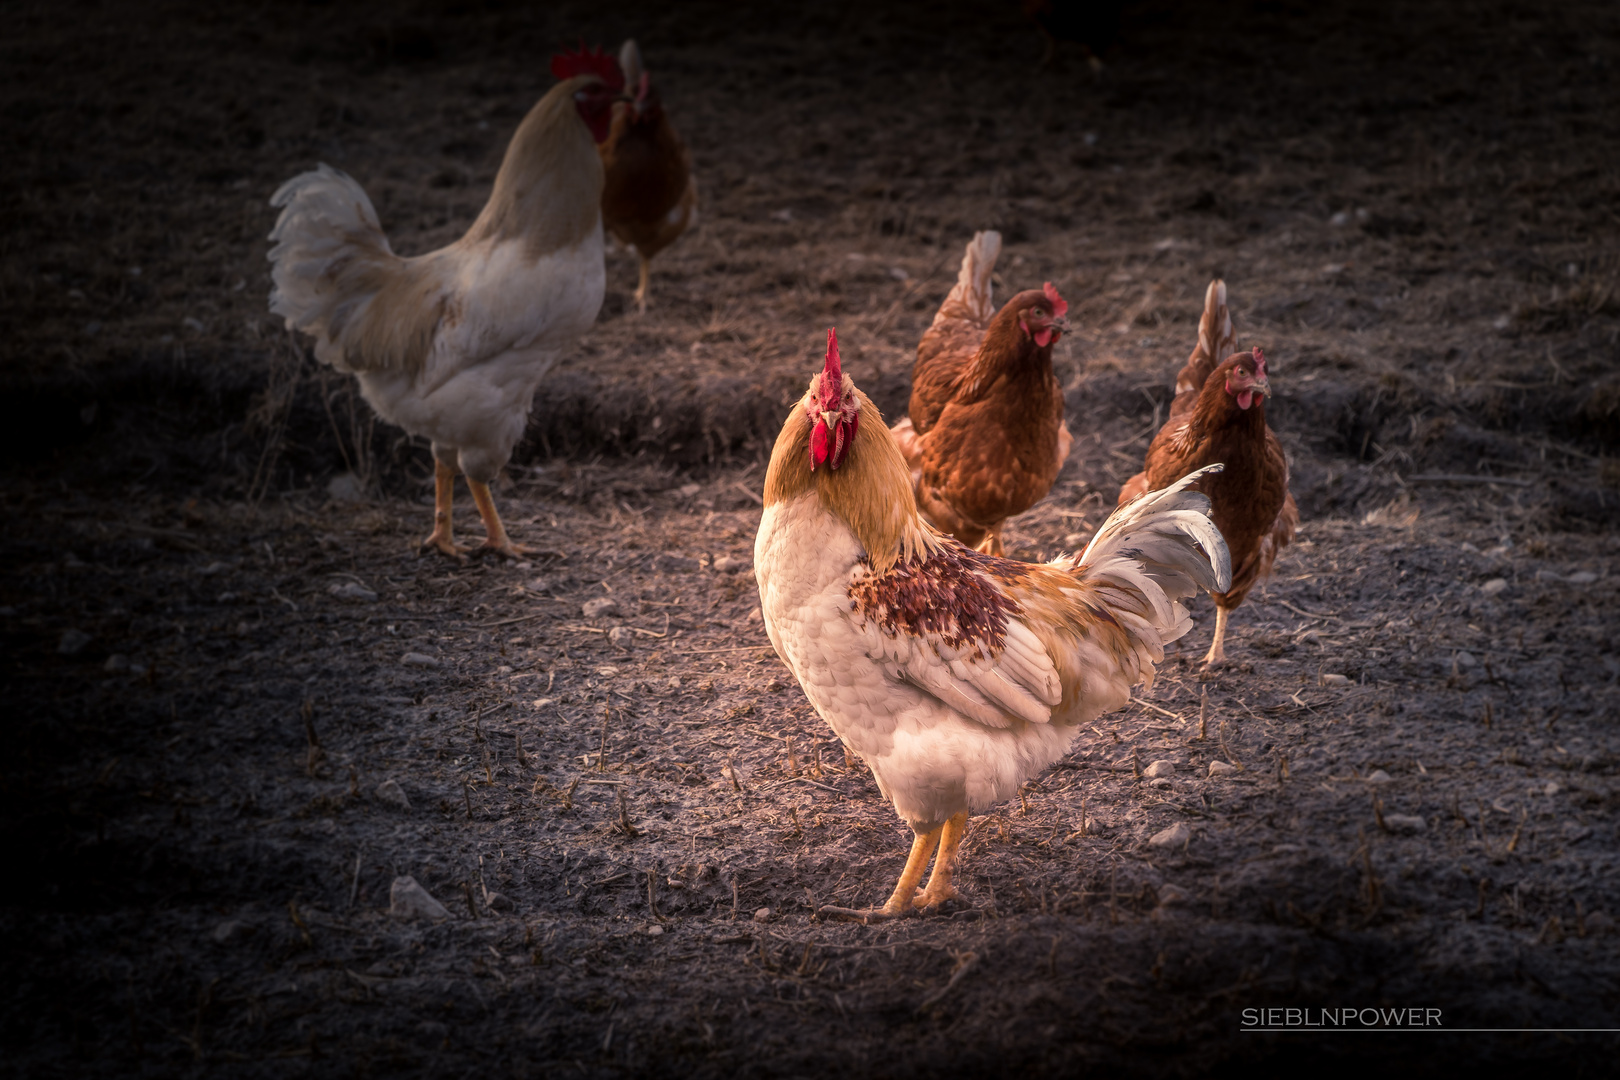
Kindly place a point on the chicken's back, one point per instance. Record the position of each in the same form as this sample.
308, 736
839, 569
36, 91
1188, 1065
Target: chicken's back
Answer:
949, 345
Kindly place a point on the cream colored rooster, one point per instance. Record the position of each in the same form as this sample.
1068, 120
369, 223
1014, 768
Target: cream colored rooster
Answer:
452, 345
954, 674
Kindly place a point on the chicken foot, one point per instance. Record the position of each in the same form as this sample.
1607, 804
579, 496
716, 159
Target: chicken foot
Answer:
906, 898
939, 887
442, 537
1217, 648
497, 540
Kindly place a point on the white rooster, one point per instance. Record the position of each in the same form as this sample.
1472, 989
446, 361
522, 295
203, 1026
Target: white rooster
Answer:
955, 675
452, 345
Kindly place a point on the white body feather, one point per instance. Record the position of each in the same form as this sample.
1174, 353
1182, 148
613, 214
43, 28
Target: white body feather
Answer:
944, 729
508, 316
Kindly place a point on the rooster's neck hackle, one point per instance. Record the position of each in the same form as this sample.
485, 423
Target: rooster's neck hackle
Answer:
548, 192
870, 492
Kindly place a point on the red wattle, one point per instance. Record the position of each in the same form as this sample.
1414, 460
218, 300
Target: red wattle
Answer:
1245, 399
1043, 338
820, 445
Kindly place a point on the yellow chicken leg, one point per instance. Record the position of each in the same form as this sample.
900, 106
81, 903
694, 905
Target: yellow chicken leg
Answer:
939, 887
905, 891
646, 280
444, 492
904, 898
1217, 648
497, 540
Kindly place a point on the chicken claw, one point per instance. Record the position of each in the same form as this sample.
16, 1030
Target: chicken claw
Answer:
906, 899
497, 541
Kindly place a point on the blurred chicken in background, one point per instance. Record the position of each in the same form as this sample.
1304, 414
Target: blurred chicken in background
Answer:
451, 345
648, 196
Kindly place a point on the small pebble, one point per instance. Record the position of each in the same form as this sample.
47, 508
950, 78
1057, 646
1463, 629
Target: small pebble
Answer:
499, 902
1494, 586
655, 930
607, 669
1175, 836
602, 605
1335, 680
1548, 575
622, 636
116, 663
345, 488
226, 930
1581, 577
73, 642
1553, 787
755, 616
762, 914
421, 660
726, 564
392, 794
1159, 768
352, 590
1405, 823
1379, 776
1599, 922
674, 682
408, 900
1465, 659
1173, 894
1221, 768
1162, 783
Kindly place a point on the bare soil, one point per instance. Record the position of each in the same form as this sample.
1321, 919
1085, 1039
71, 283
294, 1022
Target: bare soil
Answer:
212, 661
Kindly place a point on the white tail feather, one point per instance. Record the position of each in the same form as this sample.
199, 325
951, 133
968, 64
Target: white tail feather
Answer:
326, 221
1162, 545
971, 298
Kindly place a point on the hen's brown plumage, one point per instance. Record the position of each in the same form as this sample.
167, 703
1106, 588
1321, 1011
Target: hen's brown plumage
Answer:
649, 197
985, 437
1250, 501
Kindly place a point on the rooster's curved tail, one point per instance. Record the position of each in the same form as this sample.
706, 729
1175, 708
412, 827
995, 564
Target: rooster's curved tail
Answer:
334, 277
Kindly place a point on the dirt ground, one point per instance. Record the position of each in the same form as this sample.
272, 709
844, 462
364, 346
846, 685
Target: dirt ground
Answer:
243, 705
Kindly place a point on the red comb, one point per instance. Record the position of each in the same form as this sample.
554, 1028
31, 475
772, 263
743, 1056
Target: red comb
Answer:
834, 371
1060, 306
566, 65
1259, 361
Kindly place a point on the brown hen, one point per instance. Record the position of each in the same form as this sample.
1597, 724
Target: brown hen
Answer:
985, 437
649, 197
1221, 417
